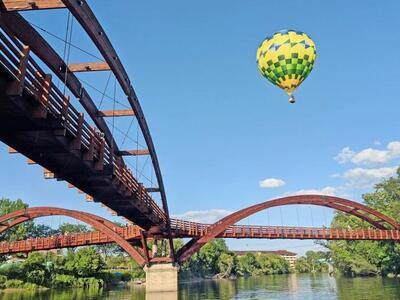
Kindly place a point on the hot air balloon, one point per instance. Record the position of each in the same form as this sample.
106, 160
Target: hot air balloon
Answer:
286, 58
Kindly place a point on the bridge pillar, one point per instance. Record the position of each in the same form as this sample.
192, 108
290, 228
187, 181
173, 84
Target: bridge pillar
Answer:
161, 278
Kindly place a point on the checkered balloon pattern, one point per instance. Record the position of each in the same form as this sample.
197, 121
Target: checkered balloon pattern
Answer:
286, 58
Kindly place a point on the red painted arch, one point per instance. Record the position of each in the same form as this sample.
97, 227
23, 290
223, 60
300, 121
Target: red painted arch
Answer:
14, 218
359, 210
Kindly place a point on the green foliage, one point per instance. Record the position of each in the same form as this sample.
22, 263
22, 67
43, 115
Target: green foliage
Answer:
66, 228
205, 262
41, 230
20, 231
247, 265
85, 282
227, 264
3, 280
302, 266
12, 270
14, 284
85, 262
365, 258
135, 270
272, 264
215, 259
313, 262
63, 280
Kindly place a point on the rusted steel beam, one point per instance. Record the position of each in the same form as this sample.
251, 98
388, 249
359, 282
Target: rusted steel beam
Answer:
89, 67
18, 5
116, 113
136, 152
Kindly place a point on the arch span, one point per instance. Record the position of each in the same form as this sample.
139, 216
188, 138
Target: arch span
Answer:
14, 218
359, 210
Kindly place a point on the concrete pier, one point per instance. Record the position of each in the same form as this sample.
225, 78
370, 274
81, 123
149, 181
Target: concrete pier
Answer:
161, 278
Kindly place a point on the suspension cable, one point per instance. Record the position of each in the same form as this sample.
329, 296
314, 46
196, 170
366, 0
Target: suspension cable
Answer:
65, 40
113, 122
127, 132
137, 148
68, 53
312, 219
101, 92
105, 90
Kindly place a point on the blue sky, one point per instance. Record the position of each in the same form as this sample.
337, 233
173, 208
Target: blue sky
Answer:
220, 128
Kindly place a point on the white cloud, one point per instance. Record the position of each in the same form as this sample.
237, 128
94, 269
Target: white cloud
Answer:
327, 191
365, 178
270, 183
203, 216
369, 155
344, 156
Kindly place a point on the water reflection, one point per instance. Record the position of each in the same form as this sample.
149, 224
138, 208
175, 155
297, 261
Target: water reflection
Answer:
279, 287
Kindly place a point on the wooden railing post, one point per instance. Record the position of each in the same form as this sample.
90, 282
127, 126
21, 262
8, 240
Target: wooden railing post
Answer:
43, 97
17, 86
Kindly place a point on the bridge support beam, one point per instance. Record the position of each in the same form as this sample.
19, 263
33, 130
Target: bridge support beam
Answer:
161, 278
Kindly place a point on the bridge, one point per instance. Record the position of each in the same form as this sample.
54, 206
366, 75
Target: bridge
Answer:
48, 115
186, 229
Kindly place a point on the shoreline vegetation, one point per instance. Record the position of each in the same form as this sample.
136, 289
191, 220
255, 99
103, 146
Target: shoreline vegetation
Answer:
103, 266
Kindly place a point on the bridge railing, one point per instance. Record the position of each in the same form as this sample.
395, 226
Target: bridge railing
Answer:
198, 229
14, 56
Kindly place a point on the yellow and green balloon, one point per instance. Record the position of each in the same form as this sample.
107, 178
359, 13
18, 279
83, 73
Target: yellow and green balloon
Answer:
286, 59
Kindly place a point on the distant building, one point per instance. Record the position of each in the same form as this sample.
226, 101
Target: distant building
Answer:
290, 257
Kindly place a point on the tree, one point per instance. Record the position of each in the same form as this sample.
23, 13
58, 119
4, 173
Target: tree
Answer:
21, 231
206, 261
37, 269
85, 262
317, 261
226, 264
302, 266
247, 265
369, 257
66, 228
41, 230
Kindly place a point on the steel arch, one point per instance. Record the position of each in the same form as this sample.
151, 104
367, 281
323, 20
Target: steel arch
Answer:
359, 210
14, 218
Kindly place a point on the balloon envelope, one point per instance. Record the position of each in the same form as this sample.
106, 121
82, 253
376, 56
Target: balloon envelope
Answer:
286, 58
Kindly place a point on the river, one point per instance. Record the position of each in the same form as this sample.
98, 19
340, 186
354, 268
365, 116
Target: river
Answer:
294, 286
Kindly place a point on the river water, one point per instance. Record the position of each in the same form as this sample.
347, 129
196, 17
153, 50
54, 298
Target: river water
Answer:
294, 287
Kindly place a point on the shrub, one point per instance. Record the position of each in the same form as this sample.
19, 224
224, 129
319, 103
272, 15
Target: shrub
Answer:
36, 276
61, 281
92, 282
12, 270
3, 280
14, 284
31, 286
